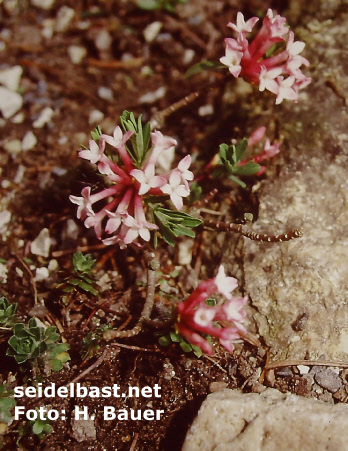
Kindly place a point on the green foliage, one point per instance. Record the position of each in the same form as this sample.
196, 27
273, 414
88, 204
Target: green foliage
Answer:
90, 343
40, 427
151, 5
202, 66
174, 337
82, 277
95, 134
7, 402
231, 157
32, 341
174, 223
139, 142
7, 313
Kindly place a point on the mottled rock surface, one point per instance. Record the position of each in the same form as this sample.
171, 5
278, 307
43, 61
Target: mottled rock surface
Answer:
299, 289
230, 420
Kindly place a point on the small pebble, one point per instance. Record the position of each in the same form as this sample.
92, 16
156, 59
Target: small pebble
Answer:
76, 53
14, 146
303, 369
29, 141
206, 110
105, 93
64, 17
45, 117
153, 96
328, 379
42, 243
10, 102
95, 116
151, 31
41, 274
11, 77
43, 4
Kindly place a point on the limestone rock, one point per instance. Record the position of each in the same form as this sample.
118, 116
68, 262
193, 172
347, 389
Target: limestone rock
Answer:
230, 420
299, 288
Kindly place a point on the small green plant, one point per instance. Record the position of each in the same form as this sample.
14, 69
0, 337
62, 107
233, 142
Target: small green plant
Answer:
7, 402
40, 427
173, 337
38, 343
151, 5
82, 275
7, 314
90, 343
231, 160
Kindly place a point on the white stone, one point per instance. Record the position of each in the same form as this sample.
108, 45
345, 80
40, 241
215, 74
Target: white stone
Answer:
53, 265
3, 273
5, 218
95, 116
151, 31
11, 77
44, 117
76, 53
5, 184
185, 251
42, 243
18, 118
64, 17
105, 93
10, 102
41, 274
43, 4
48, 28
303, 369
230, 420
19, 174
188, 56
205, 110
153, 96
29, 141
103, 40
14, 146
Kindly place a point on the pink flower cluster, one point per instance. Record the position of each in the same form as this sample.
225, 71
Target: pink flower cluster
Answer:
269, 150
279, 73
221, 321
124, 210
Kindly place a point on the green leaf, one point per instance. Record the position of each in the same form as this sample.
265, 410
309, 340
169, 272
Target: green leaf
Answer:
148, 5
241, 147
202, 66
247, 169
96, 133
237, 180
164, 340
197, 350
176, 338
186, 347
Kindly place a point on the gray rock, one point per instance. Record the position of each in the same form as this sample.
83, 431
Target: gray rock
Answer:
230, 420
307, 278
328, 379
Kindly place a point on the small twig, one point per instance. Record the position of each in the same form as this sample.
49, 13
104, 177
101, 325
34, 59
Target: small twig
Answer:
148, 305
134, 348
116, 64
91, 368
159, 117
214, 362
282, 363
134, 442
31, 278
240, 228
95, 247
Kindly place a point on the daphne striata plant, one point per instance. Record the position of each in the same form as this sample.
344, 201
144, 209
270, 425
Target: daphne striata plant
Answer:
222, 321
271, 60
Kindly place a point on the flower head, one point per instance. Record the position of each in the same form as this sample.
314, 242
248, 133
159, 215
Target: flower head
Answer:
279, 72
221, 321
123, 213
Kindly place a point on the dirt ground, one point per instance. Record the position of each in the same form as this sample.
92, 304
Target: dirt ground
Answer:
118, 69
